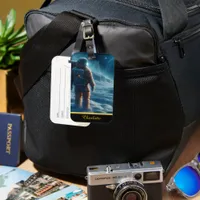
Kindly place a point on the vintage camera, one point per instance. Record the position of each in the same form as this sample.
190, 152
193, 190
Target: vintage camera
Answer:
127, 181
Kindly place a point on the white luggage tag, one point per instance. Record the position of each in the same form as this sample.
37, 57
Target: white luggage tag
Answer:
60, 103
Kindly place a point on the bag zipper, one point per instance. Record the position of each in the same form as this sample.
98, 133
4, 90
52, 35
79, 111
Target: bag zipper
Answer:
180, 39
192, 10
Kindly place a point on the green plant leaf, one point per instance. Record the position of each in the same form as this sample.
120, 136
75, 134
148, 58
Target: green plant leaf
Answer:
2, 66
20, 35
1, 29
10, 59
17, 58
15, 48
17, 41
20, 32
3, 49
2, 41
10, 23
2, 54
11, 42
1, 57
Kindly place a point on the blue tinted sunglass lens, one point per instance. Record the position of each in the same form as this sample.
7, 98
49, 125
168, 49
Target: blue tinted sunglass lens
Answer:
188, 181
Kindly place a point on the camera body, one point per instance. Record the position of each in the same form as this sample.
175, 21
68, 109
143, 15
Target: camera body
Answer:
126, 181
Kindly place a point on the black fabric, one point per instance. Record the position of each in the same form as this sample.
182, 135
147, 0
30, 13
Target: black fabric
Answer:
51, 41
142, 96
118, 10
46, 3
18, 86
173, 12
186, 70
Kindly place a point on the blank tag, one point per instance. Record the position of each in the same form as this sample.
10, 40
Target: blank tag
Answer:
60, 105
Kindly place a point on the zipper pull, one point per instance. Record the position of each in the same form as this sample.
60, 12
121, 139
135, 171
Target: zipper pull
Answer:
181, 47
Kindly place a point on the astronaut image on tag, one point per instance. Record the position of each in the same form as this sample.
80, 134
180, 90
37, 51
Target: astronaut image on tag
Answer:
92, 84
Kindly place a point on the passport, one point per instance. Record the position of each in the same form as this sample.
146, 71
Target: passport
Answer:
10, 135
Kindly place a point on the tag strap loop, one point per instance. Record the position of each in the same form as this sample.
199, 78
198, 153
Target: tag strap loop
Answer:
88, 30
86, 36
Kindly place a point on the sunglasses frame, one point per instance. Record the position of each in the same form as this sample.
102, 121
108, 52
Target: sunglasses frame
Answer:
171, 186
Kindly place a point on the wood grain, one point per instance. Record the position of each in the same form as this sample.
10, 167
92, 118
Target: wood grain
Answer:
192, 148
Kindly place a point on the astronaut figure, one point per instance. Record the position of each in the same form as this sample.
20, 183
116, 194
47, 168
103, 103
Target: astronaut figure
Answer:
81, 79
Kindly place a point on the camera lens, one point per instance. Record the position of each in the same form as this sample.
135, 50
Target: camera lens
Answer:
131, 196
130, 190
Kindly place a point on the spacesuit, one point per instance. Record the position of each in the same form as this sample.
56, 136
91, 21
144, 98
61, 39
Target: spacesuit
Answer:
81, 79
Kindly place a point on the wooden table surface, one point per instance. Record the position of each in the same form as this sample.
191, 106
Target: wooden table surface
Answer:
28, 165
192, 148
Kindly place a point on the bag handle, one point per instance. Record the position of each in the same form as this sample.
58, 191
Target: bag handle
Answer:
46, 3
174, 16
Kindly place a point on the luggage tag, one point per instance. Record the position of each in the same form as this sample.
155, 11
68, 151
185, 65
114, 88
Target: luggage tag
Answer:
60, 104
92, 81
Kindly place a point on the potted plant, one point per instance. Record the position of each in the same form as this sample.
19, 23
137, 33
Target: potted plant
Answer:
11, 43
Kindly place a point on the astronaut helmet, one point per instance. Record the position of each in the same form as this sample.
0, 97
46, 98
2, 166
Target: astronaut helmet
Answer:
82, 62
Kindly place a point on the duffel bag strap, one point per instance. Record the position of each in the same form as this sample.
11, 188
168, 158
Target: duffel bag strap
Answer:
174, 17
50, 41
173, 12
46, 3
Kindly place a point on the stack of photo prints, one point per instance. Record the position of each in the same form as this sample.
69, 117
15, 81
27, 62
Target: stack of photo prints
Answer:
18, 184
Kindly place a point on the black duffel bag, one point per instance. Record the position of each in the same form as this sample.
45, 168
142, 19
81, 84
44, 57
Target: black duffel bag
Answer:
156, 45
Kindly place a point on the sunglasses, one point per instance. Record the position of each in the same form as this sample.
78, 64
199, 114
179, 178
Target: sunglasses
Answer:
187, 179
